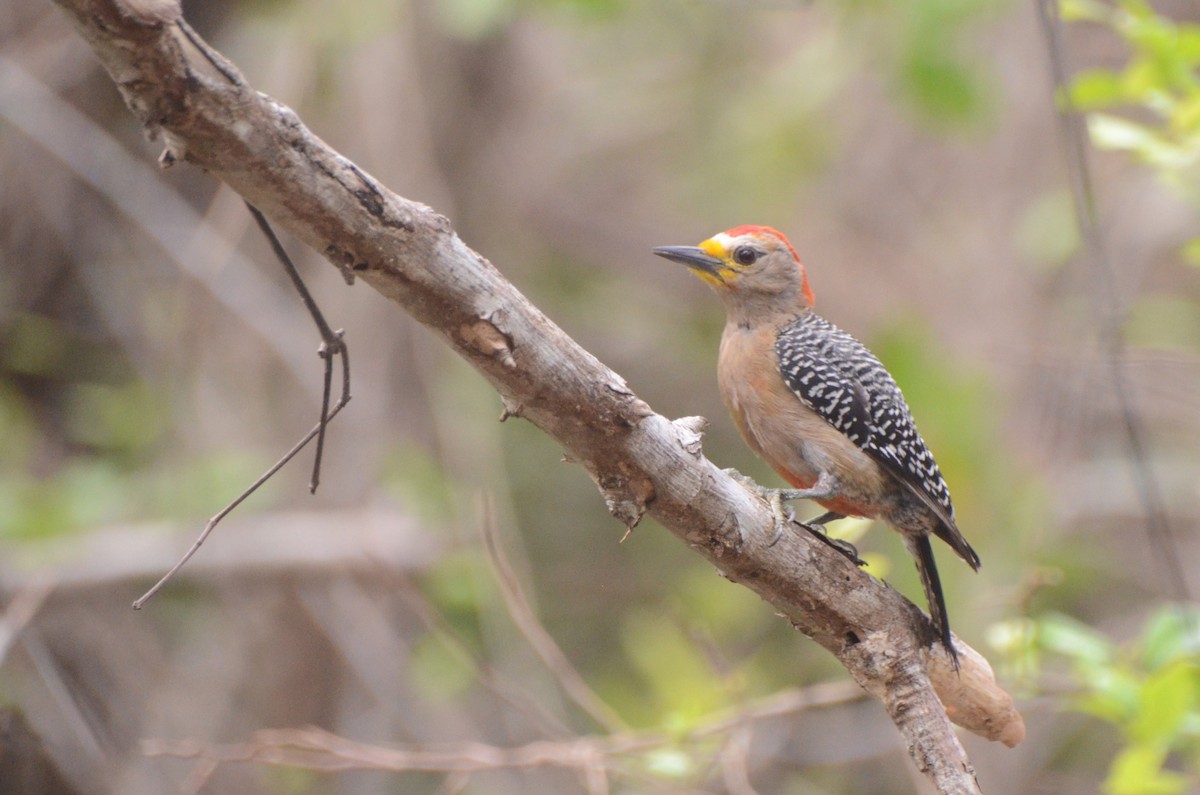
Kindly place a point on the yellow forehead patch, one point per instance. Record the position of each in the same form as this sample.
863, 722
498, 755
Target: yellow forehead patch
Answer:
717, 246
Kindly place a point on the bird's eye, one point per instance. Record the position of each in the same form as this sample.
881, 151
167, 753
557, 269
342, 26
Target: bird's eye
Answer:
745, 255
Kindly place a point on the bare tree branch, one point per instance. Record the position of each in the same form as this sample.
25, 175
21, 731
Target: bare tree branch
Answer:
208, 115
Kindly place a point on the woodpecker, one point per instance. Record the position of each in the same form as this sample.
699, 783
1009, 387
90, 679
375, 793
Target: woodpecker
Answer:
817, 406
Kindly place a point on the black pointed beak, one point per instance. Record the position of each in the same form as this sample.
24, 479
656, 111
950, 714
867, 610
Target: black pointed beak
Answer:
692, 256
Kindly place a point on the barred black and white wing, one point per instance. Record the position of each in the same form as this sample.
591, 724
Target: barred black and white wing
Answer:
838, 378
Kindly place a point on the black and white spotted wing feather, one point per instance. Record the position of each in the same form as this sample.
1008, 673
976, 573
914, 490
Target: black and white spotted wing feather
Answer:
837, 377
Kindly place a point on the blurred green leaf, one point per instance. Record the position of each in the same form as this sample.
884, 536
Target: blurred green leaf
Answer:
1161, 80
1185, 120
1015, 640
1171, 633
852, 528
1138, 9
878, 565
1166, 698
1073, 639
945, 88
1137, 770
1111, 692
1096, 88
1149, 690
1189, 42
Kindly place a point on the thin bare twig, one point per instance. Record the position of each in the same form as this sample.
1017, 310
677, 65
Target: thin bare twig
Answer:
783, 704
316, 749
216, 519
332, 344
437, 625
1075, 141
535, 633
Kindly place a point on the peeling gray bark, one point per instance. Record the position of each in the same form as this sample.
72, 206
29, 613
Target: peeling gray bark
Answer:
206, 114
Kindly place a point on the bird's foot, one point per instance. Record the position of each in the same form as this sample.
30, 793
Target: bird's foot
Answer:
782, 514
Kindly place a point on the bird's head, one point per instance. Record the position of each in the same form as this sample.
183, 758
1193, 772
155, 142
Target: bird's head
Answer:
747, 264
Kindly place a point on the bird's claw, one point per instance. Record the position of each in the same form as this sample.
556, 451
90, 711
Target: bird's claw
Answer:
839, 545
781, 514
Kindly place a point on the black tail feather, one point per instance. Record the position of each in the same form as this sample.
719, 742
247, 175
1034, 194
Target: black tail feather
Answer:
949, 533
922, 552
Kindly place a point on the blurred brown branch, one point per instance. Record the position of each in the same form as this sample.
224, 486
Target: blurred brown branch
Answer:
319, 750
206, 113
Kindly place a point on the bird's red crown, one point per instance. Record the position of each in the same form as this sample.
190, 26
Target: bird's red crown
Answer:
763, 231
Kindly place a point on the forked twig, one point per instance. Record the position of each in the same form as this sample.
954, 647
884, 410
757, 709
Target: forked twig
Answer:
332, 344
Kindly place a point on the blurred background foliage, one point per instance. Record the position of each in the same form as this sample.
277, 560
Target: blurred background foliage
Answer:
153, 361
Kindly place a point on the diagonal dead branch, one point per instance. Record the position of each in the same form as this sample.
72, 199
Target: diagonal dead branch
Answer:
208, 115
